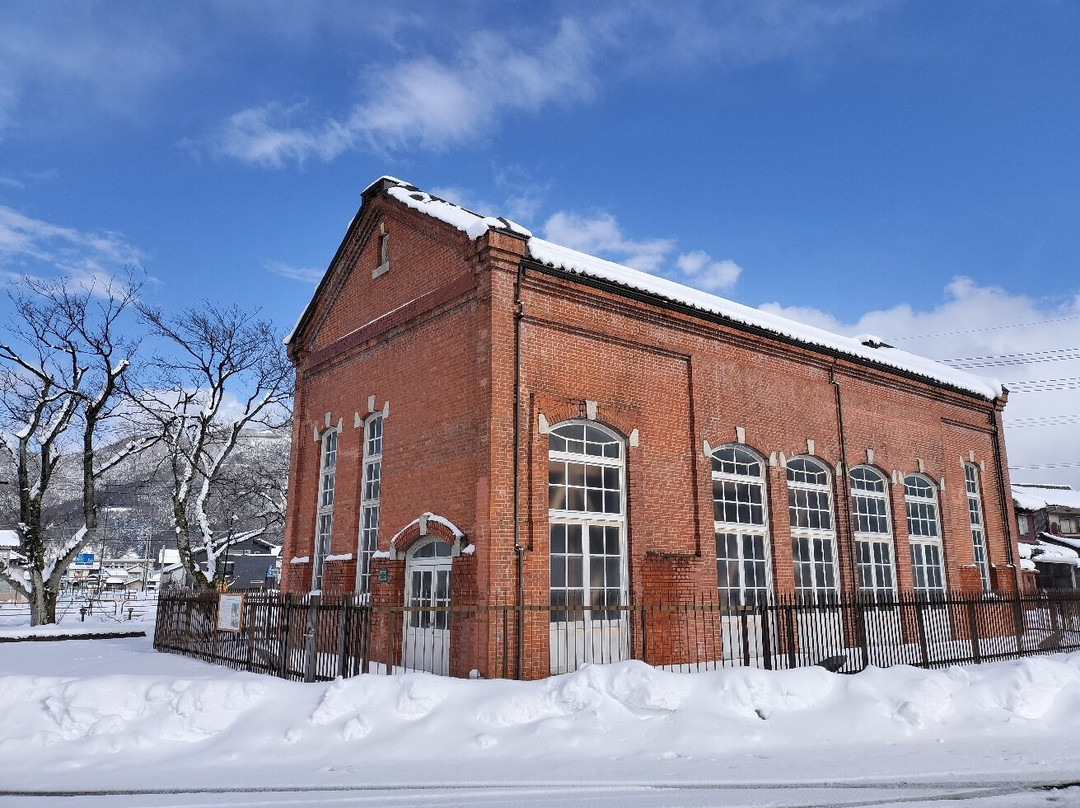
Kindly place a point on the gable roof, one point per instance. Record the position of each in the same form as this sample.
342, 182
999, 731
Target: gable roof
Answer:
865, 348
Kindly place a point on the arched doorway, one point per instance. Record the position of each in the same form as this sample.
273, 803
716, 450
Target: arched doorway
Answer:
427, 600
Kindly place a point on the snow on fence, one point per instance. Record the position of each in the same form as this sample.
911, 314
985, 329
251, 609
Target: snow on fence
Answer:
309, 638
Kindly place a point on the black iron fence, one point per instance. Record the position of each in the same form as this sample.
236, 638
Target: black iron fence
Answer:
307, 638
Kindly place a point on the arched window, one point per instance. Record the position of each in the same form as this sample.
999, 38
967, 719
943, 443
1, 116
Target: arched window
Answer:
586, 522
741, 527
924, 533
873, 530
324, 518
370, 492
975, 519
813, 535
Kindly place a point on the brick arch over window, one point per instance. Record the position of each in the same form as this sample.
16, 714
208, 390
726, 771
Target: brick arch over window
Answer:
552, 413
425, 526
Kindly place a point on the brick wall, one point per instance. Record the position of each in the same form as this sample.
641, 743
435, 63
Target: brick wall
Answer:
435, 337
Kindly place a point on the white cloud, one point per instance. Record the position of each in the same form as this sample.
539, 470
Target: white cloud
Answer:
988, 321
601, 235
35, 247
422, 102
305, 274
700, 270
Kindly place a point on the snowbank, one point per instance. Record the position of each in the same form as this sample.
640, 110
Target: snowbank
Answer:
198, 726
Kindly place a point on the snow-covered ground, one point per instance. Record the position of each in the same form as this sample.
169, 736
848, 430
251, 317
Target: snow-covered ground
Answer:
113, 723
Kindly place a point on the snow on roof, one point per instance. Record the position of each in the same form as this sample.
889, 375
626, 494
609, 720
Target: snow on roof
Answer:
1045, 553
864, 347
1068, 541
9, 538
1037, 497
579, 263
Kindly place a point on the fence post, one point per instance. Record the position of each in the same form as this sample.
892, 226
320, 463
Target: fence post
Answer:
310, 647
390, 640
973, 630
789, 612
861, 633
766, 636
343, 633
920, 624
283, 662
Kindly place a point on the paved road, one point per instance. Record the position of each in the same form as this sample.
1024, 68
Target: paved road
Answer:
880, 794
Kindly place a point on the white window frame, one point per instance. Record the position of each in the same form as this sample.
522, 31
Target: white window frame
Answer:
977, 522
751, 538
819, 542
927, 549
370, 497
875, 557
324, 513
585, 519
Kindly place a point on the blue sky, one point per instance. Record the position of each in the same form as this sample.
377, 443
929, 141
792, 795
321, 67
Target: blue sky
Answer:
904, 168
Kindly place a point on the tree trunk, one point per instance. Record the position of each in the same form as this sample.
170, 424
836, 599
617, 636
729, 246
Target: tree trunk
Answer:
42, 602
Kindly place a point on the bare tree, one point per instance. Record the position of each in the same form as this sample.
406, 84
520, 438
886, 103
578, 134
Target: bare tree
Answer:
227, 373
64, 356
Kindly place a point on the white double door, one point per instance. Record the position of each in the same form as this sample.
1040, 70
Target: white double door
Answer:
427, 615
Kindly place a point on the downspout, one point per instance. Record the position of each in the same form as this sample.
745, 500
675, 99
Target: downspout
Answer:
845, 485
1002, 494
519, 548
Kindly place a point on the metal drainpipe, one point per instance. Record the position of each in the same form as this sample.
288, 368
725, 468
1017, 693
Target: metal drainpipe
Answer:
519, 549
845, 486
1004, 503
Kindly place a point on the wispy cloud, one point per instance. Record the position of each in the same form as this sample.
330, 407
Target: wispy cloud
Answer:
522, 197
420, 102
601, 235
976, 321
31, 246
61, 57
701, 270
305, 274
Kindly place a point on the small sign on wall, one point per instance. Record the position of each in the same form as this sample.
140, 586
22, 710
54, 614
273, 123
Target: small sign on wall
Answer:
382, 576
230, 612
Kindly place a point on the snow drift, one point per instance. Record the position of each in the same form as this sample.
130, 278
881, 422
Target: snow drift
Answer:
153, 729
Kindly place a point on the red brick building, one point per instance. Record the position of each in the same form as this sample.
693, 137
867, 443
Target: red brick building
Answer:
483, 416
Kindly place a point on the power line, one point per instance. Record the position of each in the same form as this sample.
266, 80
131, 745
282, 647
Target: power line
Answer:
1043, 420
1044, 385
987, 328
1064, 465
1023, 358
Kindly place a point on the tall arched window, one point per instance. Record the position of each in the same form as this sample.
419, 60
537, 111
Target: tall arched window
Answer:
873, 530
924, 533
975, 519
586, 522
324, 518
813, 535
370, 493
741, 527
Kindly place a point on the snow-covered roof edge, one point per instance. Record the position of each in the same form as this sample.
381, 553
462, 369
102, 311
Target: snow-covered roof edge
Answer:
865, 347
575, 262
1036, 497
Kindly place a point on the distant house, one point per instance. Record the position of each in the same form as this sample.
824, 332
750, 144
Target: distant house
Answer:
1048, 525
251, 562
9, 541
